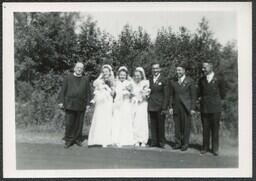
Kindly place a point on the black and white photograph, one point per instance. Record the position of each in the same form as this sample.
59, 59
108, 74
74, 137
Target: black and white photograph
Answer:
127, 89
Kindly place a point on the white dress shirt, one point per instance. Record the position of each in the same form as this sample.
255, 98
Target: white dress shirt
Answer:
209, 77
155, 78
181, 79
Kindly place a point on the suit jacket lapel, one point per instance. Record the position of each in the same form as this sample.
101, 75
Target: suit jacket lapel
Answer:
183, 84
151, 81
185, 81
178, 86
205, 80
177, 83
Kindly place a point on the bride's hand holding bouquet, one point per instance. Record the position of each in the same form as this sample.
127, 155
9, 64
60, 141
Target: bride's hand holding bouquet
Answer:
128, 89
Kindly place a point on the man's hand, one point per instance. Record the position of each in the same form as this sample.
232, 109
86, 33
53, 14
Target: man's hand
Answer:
164, 112
61, 106
171, 111
88, 107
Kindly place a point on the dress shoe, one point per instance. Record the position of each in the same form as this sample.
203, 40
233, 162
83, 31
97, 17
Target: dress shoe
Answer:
162, 145
202, 152
165, 146
136, 144
143, 145
78, 143
68, 144
184, 148
153, 145
176, 147
215, 153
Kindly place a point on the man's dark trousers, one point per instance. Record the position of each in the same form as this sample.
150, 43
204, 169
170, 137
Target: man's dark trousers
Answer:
157, 128
182, 122
74, 125
211, 123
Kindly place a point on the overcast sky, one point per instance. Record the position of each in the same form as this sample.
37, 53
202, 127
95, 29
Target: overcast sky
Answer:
222, 24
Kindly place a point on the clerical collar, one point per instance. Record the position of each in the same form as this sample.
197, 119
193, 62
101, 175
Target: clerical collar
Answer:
77, 75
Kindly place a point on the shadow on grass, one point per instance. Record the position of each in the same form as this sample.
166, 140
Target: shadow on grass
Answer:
195, 146
84, 137
191, 145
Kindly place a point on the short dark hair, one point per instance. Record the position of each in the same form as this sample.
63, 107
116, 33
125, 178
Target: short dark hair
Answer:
208, 62
181, 64
155, 63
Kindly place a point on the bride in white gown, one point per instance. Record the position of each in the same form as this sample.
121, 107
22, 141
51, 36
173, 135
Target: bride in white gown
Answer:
122, 133
100, 131
141, 92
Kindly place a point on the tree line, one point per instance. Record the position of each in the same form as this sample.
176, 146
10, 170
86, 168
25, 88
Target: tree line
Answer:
48, 44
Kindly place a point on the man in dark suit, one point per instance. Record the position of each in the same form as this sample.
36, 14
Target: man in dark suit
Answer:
211, 90
182, 106
157, 106
74, 98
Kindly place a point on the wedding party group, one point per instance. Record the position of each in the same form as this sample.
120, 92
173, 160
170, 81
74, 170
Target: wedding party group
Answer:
124, 104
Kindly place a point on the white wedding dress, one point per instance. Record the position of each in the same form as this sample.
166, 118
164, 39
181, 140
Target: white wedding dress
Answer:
140, 114
122, 133
100, 131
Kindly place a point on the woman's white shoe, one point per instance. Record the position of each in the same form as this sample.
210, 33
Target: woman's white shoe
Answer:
143, 145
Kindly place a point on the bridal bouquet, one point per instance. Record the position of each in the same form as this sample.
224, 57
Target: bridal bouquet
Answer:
102, 89
128, 89
142, 94
109, 86
145, 92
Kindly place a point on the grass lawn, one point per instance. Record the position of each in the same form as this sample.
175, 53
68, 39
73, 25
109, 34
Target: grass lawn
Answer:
46, 135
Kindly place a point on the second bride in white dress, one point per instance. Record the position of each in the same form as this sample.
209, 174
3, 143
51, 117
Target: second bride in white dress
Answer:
122, 131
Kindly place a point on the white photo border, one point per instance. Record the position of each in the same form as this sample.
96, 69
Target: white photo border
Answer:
244, 42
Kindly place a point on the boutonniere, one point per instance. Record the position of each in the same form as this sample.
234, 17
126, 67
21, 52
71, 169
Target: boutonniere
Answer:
160, 83
184, 83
